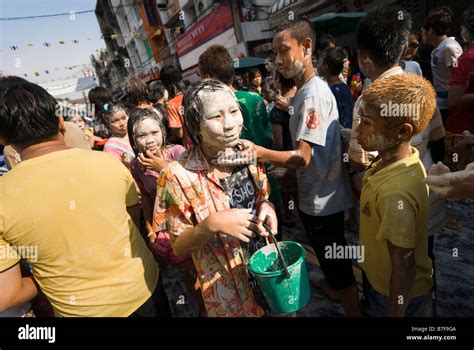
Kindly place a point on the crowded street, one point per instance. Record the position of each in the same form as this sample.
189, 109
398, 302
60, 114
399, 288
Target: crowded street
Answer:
280, 159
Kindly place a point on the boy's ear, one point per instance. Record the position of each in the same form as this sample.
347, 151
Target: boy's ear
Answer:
62, 128
307, 44
406, 131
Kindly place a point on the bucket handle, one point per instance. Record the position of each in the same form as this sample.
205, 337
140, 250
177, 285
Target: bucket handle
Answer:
282, 259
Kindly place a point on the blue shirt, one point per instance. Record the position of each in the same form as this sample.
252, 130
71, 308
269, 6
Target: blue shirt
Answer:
345, 103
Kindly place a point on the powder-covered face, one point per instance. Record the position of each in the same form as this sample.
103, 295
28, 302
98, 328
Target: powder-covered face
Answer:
118, 124
148, 135
372, 133
290, 57
79, 122
221, 122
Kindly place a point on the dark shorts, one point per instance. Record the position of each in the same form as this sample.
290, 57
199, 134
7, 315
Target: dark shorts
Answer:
155, 306
324, 231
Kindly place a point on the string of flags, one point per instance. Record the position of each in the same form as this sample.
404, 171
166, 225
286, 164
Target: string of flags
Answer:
136, 34
37, 74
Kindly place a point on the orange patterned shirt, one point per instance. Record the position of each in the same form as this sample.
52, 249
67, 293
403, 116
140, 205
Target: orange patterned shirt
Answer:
188, 193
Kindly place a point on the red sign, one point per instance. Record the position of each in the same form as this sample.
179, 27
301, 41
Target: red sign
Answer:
312, 119
215, 23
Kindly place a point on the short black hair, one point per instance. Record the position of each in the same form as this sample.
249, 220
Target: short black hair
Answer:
440, 20
467, 21
300, 29
28, 113
136, 90
193, 106
156, 90
383, 33
99, 96
217, 63
171, 78
253, 72
334, 59
323, 42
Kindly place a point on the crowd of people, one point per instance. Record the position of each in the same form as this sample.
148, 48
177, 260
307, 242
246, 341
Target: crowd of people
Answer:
154, 205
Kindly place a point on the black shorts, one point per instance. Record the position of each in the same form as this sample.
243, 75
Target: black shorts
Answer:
323, 231
156, 305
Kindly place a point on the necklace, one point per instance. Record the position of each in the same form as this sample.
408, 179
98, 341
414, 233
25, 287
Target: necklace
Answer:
40, 149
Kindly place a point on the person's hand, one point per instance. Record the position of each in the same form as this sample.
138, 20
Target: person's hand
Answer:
267, 215
461, 142
438, 169
152, 237
151, 162
245, 154
452, 186
238, 223
282, 104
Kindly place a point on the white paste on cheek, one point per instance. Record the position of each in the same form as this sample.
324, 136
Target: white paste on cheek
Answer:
148, 135
225, 130
378, 142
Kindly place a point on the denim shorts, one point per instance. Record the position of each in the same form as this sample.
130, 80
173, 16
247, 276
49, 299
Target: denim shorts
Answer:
417, 307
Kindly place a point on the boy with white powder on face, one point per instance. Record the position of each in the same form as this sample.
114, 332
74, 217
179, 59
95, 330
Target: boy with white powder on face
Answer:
394, 200
323, 182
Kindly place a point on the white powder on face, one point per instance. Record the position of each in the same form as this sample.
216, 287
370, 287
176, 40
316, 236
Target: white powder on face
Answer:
378, 142
223, 131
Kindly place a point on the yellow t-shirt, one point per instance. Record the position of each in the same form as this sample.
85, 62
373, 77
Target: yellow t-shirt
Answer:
394, 207
70, 207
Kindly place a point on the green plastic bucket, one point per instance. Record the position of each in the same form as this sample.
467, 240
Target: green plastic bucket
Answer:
282, 294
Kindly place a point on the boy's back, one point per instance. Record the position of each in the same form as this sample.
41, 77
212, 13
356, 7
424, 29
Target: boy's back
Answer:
71, 206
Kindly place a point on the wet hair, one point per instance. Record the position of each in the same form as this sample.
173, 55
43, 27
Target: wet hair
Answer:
111, 109
383, 34
27, 112
467, 21
139, 115
440, 20
156, 91
403, 89
136, 91
194, 108
217, 63
299, 29
171, 78
323, 42
286, 83
334, 59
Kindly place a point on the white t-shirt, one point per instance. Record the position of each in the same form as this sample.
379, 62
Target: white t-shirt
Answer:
323, 186
443, 58
434, 131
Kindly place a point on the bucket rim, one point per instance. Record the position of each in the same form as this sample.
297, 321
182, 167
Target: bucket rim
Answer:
281, 271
